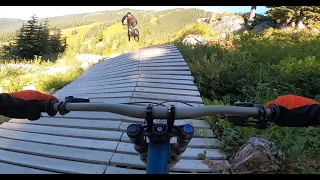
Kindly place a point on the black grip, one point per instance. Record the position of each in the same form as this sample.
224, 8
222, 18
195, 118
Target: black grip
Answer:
41, 106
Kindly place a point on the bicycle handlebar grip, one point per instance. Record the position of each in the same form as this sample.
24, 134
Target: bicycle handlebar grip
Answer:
47, 107
41, 106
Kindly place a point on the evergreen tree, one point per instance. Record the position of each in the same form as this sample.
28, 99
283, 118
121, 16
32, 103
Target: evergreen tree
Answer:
43, 39
27, 37
286, 14
58, 44
35, 40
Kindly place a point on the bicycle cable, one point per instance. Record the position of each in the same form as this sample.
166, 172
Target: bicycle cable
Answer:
157, 104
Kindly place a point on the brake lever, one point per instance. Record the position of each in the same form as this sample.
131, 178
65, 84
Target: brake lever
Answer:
61, 106
261, 123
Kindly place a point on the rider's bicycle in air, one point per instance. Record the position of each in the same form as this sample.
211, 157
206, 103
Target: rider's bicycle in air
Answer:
131, 22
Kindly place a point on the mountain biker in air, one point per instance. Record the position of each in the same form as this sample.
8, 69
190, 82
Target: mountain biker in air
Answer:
296, 111
131, 21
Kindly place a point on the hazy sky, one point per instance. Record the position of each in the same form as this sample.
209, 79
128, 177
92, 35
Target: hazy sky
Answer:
25, 12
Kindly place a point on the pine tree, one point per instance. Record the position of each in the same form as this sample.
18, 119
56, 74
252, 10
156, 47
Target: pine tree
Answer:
57, 43
34, 40
43, 39
286, 14
27, 39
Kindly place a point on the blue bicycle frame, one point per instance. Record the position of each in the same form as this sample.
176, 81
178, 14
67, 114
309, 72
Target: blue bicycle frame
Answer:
158, 157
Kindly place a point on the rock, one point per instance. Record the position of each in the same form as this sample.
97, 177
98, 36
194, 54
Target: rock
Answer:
213, 18
261, 26
192, 40
229, 24
202, 20
299, 26
256, 153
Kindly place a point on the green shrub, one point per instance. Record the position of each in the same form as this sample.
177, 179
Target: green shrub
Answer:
300, 145
262, 66
57, 81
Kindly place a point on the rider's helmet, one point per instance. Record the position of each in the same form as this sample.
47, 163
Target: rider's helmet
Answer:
128, 13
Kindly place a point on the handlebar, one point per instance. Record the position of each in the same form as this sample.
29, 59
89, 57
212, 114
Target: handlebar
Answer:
161, 112
247, 109
162, 133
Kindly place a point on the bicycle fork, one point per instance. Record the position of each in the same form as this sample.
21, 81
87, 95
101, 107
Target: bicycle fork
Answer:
159, 136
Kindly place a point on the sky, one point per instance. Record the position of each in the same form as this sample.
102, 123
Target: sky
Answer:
25, 12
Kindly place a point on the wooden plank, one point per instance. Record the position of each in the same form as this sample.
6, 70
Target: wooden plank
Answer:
106, 82
167, 91
184, 165
173, 59
113, 68
103, 76
190, 153
173, 68
121, 67
60, 140
156, 76
157, 54
84, 93
14, 169
166, 72
167, 86
171, 64
103, 82
194, 143
67, 89
125, 62
88, 88
51, 164
117, 170
199, 132
106, 95
115, 73
162, 49
95, 84
61, 131
54, 151
72, 123
165, 97
111, 79
167, 81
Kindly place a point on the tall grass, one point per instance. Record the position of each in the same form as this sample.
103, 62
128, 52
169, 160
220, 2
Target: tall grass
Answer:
261, 67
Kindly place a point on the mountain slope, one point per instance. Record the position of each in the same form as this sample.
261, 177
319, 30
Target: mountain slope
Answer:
173, 19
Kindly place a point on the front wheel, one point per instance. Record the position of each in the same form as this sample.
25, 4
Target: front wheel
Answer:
136, 35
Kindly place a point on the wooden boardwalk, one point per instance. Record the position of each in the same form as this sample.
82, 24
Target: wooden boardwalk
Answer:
96, 142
